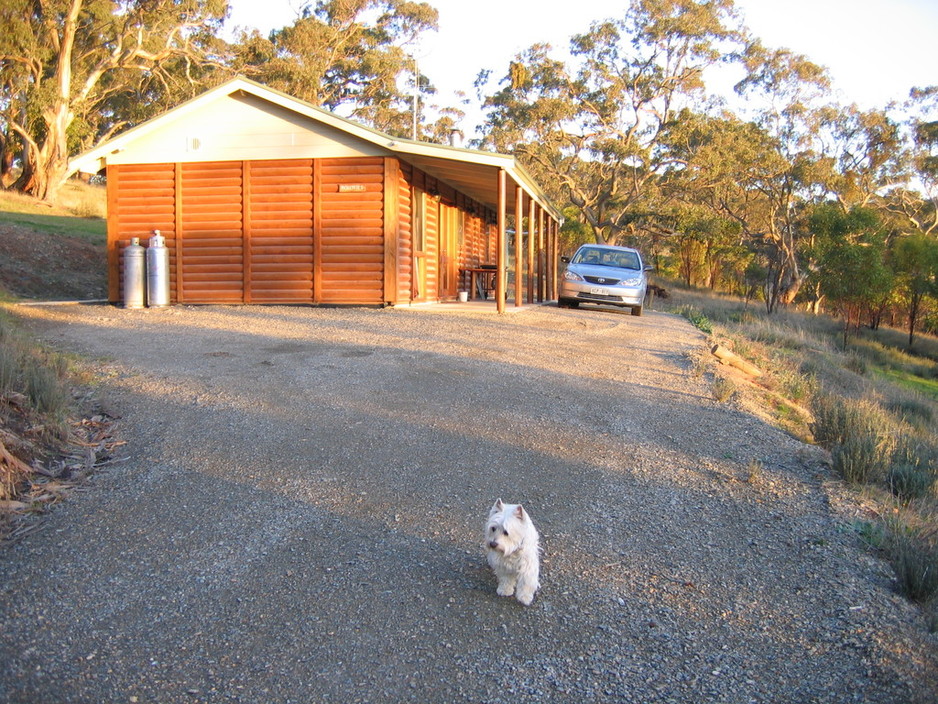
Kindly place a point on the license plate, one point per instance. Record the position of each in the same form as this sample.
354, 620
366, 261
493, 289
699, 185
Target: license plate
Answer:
597, 291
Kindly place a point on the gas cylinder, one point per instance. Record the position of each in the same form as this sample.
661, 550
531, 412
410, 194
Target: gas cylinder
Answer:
134, 262
157, 271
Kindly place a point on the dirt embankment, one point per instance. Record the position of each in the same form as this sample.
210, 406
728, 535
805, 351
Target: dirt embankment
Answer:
43, 266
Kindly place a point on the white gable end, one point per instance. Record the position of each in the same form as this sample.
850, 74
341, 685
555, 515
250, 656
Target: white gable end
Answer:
242, 127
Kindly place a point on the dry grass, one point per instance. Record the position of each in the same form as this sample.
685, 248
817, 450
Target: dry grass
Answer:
75, 199
80, 212
873, 405
34, 399
83, 200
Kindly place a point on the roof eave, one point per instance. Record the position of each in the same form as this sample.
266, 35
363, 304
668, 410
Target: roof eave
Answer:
95, 159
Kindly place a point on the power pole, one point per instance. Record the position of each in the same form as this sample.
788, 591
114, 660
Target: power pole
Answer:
416, 97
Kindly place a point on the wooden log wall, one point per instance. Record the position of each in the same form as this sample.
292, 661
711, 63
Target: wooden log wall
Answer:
351, 267
289, 231
432, 242
140, 200
405, 249
278, 231
211, 250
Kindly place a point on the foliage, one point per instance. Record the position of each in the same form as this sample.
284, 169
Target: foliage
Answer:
850, 249
915, 261
75, 71
921, 210
596, 126
573, 232
697, 318
28, 369
345, 53
915, 559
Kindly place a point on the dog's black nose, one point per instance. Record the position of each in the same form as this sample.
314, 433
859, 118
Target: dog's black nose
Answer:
493, 544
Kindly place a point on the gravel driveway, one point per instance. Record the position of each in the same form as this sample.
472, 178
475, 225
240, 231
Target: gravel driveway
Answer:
300, 520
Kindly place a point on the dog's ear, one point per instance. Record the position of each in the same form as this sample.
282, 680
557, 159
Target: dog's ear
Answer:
519, 512
498, 506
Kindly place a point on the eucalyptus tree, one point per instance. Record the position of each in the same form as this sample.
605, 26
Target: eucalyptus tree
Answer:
346, 55
854, 273
63, 61
708, 248
786, 91
915, 262
594, 124
867, 153
731, 168
917, 203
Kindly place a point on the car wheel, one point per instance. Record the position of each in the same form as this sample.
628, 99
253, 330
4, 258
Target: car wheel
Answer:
567, 303
636, 310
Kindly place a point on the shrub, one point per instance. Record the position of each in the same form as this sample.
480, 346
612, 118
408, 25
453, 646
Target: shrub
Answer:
45, 389
8, 366
909, 482
859, 435
856, 364
798, 385
723, 389
830, 420
697, 318
860, 458
911, 474
28, 369
88, 208
915, 560
915, 411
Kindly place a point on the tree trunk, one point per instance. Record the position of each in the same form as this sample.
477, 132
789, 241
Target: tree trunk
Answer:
52, 171
913, 316
6, 160
25, 182
599, 235
51, 159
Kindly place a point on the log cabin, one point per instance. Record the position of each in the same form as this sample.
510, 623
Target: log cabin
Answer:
266, 199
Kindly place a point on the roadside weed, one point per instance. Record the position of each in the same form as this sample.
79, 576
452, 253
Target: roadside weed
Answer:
723, 389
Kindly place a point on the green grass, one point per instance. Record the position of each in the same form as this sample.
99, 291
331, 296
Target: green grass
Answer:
696, 318
80, 213
92, 230
912, 382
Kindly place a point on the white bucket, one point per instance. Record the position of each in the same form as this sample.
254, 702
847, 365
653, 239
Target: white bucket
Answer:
463, 296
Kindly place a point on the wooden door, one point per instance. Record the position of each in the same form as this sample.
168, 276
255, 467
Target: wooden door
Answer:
449, 251
420, 248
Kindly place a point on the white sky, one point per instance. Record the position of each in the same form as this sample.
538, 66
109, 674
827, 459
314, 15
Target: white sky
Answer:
876, 50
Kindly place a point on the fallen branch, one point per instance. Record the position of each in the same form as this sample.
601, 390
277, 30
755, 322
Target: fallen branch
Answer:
734, 360
13, 462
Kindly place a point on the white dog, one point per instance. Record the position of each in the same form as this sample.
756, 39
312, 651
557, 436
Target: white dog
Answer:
511, 542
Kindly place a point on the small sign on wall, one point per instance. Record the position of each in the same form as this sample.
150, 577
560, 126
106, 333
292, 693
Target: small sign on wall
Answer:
351, 188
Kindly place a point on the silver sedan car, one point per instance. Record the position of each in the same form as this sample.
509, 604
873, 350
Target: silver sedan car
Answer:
606, 274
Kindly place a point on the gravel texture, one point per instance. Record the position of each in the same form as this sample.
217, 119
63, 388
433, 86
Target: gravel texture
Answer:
300, 519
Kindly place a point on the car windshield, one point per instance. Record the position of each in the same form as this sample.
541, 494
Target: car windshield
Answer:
607, 257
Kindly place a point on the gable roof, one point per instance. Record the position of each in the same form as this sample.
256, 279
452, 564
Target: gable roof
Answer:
472, 172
